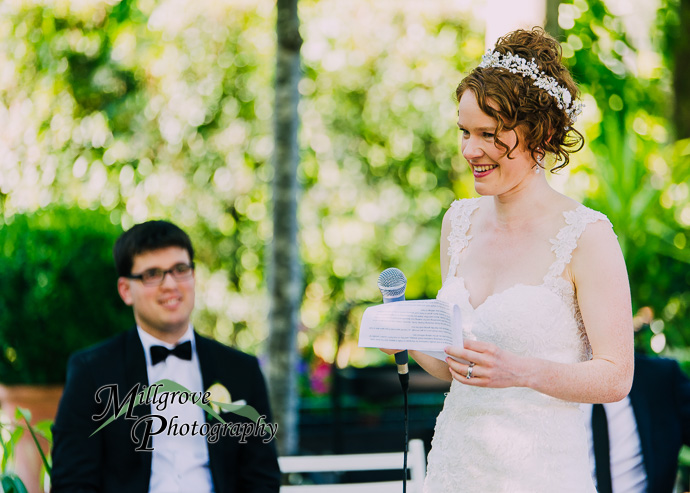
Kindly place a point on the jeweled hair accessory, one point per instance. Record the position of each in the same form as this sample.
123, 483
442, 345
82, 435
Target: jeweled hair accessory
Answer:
518, 65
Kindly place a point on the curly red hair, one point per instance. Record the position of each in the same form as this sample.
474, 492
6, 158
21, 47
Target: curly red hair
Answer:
516, 103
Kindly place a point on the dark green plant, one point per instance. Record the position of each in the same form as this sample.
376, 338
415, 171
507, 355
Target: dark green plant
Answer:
57, 292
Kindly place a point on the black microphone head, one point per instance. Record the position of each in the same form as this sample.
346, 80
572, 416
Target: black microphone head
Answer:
392, 283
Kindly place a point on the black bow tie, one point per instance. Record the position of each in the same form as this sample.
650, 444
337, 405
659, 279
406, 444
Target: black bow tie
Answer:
160, 353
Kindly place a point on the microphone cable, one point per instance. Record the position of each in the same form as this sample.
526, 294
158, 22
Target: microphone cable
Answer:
405, 384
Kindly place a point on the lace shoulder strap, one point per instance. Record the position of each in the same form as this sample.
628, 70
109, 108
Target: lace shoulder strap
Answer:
576, 221
460, 212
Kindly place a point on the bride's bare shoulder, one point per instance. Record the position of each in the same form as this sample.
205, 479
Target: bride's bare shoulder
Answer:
563, 203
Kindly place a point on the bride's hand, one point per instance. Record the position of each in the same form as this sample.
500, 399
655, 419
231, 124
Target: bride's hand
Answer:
391, 351
490, 365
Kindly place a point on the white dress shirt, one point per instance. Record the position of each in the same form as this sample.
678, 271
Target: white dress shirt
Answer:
628, 474
180, 464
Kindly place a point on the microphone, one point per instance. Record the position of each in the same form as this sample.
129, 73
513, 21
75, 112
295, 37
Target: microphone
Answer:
392, 284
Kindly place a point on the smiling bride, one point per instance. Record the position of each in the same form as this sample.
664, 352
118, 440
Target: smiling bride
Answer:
541, 283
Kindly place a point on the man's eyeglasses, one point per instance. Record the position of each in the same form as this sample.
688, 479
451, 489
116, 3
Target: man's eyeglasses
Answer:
155, 277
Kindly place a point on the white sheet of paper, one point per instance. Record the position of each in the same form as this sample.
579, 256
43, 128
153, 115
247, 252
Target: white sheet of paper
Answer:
425, 325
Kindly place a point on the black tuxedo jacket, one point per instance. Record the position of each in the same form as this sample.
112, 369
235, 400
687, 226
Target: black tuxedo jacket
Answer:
107, 461
660, 398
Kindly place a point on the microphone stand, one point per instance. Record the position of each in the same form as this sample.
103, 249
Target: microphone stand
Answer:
405, 384
404, 377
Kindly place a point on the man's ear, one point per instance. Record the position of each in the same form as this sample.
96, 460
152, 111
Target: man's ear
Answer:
124, 289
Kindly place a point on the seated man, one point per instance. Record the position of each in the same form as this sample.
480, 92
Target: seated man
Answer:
636, 441
172, 450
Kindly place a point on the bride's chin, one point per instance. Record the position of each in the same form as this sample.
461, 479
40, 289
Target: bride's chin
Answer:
483, 190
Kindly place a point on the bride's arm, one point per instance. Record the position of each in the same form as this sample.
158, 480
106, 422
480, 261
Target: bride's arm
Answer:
603, 294
434, 367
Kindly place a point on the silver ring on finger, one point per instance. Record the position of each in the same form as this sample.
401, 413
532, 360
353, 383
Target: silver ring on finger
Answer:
469, 371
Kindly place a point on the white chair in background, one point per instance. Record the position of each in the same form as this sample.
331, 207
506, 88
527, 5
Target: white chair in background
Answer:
416, 464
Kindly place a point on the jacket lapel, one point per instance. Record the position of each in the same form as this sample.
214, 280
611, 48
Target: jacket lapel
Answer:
135, 373
209, 376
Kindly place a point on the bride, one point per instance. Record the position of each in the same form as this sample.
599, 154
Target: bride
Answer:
541, 283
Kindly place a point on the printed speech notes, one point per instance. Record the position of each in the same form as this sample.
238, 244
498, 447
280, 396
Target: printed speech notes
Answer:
425, 325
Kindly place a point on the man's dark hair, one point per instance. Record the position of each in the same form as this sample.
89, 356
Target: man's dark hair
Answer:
146, 237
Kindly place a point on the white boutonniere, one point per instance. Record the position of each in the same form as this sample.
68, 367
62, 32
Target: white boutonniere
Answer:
218, 394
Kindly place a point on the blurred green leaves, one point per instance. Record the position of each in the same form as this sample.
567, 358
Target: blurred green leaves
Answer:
11, 432
160, 109
636, 173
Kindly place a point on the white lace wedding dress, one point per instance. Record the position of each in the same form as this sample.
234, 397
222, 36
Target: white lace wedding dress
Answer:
515, 440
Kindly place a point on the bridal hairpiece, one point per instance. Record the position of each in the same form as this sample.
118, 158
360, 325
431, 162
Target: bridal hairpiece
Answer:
518, 65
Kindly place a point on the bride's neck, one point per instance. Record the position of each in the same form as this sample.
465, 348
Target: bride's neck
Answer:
520, 207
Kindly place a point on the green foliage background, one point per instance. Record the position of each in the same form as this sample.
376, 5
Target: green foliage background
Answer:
56, 294
637, 172
152, 109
